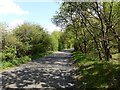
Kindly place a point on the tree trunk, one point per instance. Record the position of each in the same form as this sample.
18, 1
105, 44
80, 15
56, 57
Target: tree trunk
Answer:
85, 42
107, 52
119, 45
97, 46
85, 47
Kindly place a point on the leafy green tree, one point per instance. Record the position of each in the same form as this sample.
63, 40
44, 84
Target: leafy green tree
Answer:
55, 40
33, 37
9, 44
93, 19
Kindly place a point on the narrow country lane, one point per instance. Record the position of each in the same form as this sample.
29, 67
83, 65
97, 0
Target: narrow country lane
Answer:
52, 72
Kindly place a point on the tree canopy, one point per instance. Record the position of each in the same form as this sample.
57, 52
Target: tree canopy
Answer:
94, 25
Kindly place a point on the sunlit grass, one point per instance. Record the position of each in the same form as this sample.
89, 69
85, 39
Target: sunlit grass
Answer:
92, 73
117, 55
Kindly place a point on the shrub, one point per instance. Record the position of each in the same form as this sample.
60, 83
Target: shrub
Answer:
9, 53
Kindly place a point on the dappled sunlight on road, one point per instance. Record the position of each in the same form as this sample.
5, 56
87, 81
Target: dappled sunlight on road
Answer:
53, 71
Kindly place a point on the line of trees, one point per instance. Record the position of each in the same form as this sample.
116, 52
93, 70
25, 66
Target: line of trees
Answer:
95, 26
62, 40
30, 40
25, 40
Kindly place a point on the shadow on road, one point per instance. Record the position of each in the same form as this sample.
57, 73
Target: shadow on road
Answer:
54, 71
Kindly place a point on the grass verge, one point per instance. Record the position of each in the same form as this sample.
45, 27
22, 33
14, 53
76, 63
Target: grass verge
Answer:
92, 73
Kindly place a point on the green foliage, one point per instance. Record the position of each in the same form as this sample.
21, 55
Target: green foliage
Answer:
92, 73
94, 26
62, 40
6, 65
55, 36
39, 55
15, 62
25, 42
54, 44
9, 53
33, 37
21, 60
67, 39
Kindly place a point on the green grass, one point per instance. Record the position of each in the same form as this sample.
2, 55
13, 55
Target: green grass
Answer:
92, 73
116, 56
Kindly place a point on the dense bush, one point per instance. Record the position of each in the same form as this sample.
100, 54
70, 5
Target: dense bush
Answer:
28, 41
34, 38
24, 43
15, 62
9, 53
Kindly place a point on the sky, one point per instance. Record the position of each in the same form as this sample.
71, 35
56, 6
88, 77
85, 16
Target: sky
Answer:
15, 13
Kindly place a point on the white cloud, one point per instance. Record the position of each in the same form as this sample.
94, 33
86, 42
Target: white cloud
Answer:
52, 28
10, 7
15, 23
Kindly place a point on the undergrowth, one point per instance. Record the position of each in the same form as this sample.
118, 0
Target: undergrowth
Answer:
92, 73
22, 60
